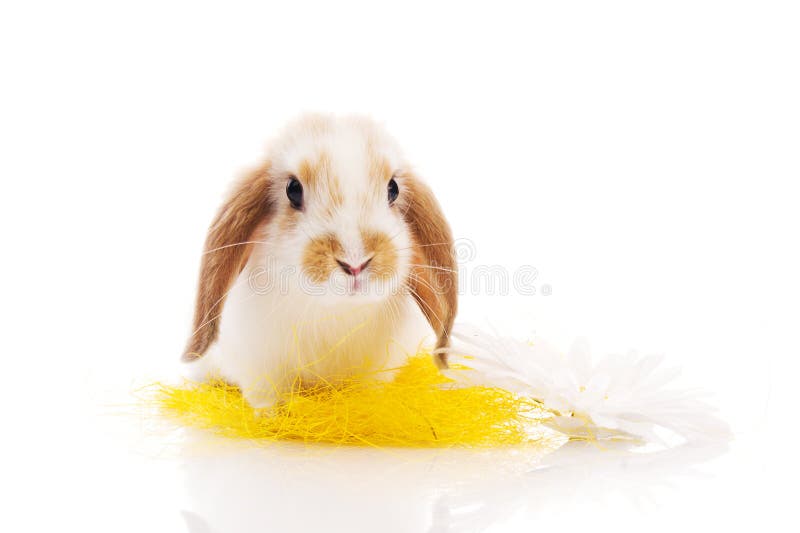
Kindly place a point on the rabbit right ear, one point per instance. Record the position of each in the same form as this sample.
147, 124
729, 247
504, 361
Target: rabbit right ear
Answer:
227, 249
433, 281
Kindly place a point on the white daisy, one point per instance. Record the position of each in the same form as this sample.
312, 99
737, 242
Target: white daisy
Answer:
619, 396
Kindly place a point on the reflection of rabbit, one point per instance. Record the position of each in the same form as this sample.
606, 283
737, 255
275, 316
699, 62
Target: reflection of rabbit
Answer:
329, 256
289, 488
438, 491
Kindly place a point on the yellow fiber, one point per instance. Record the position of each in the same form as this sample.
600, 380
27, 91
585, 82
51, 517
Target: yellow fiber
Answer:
416, 409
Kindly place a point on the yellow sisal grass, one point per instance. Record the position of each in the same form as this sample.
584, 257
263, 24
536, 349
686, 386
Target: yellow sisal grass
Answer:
415, 409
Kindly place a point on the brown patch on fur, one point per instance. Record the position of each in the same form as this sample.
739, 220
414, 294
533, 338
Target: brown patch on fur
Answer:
434, 286
237, 221
318, 124
379, 247
318, 176
334, 195
379, 169
319, 257
288, 219
311, 172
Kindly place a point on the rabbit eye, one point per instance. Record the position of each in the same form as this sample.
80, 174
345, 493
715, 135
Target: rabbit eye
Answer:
294, 191
394, 191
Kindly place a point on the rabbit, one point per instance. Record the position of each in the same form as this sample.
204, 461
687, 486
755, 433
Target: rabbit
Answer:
330, 258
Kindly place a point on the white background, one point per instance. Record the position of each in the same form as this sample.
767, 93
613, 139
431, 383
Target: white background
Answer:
643, 157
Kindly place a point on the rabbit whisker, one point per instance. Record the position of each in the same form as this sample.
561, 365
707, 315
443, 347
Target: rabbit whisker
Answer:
419, 299
424, 245
232, 245
434, 267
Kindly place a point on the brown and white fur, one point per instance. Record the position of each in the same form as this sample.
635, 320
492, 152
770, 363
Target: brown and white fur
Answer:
275, 301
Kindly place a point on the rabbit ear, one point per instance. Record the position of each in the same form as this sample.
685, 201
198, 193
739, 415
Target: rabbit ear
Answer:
227, 249
434, 278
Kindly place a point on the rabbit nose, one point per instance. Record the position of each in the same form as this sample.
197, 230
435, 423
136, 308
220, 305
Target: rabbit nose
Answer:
354, 270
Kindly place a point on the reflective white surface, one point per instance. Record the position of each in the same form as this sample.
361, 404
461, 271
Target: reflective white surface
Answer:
129, 474
293, 488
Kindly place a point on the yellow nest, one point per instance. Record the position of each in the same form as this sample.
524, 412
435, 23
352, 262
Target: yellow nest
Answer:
416, 409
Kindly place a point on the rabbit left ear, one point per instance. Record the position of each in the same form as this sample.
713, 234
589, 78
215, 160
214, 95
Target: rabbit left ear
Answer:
433, 279
226, 252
